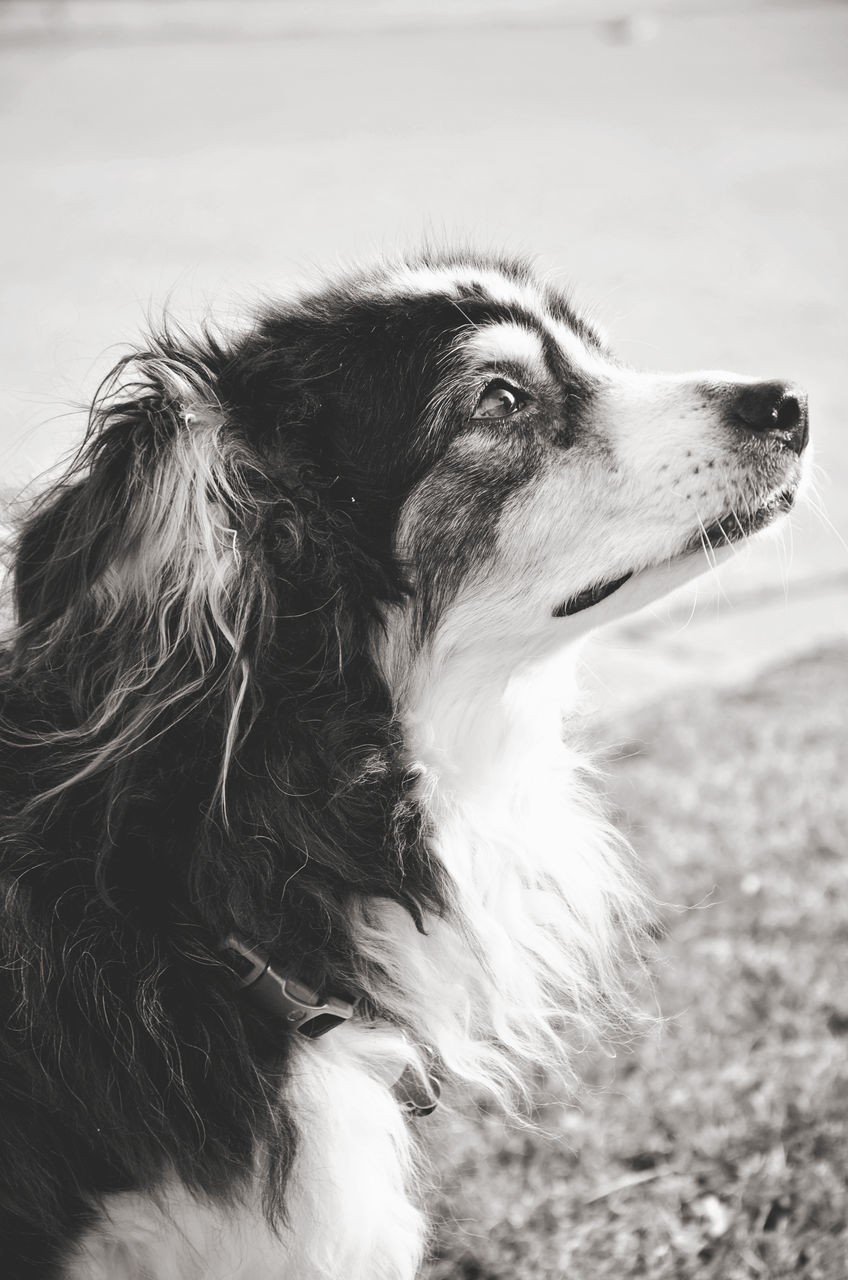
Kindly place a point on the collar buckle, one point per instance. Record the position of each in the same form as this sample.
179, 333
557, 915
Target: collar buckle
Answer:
283, 997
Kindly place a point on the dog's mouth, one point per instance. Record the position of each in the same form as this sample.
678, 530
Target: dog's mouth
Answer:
737, 525
593, 595
730, 528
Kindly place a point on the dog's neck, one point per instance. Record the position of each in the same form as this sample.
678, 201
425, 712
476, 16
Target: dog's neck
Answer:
478, 716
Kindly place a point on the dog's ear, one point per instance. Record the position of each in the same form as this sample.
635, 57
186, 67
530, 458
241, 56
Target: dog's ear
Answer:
137, 577
153, 508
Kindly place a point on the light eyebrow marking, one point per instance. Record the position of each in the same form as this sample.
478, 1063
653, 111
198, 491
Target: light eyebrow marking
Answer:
450, 281
506, 342
576, 353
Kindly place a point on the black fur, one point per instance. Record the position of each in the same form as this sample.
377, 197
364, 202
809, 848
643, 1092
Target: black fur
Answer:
128, 849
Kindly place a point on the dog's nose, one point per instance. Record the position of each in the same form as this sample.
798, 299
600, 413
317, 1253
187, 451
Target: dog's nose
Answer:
774, 408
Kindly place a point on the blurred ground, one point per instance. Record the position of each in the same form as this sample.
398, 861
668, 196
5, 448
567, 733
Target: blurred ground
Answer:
686, 171
715, 1149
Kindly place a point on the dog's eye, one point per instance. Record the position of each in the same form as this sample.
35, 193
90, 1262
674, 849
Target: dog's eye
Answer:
499, 400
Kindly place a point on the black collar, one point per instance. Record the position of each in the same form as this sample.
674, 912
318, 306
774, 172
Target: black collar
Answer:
288, 1000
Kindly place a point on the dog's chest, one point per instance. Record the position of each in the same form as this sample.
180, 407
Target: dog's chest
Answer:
175, 1236
348, 1212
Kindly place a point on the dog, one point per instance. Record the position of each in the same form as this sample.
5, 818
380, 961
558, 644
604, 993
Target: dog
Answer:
290, 833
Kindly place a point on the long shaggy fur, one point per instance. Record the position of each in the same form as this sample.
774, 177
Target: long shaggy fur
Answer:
292, 638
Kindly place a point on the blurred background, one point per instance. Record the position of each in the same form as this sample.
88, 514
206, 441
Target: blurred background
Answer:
683, 167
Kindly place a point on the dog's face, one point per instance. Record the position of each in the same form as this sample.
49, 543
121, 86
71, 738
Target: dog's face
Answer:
539, 476
451, 421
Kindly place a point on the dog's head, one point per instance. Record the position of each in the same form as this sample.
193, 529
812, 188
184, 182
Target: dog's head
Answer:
467, 420
444, 450
558, 477
521, 473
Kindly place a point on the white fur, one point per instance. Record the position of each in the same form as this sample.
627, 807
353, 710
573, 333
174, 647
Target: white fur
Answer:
350, 1210
451, 280
506, 343
173, 1235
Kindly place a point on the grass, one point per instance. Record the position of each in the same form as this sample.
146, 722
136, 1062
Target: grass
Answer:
716, 1147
